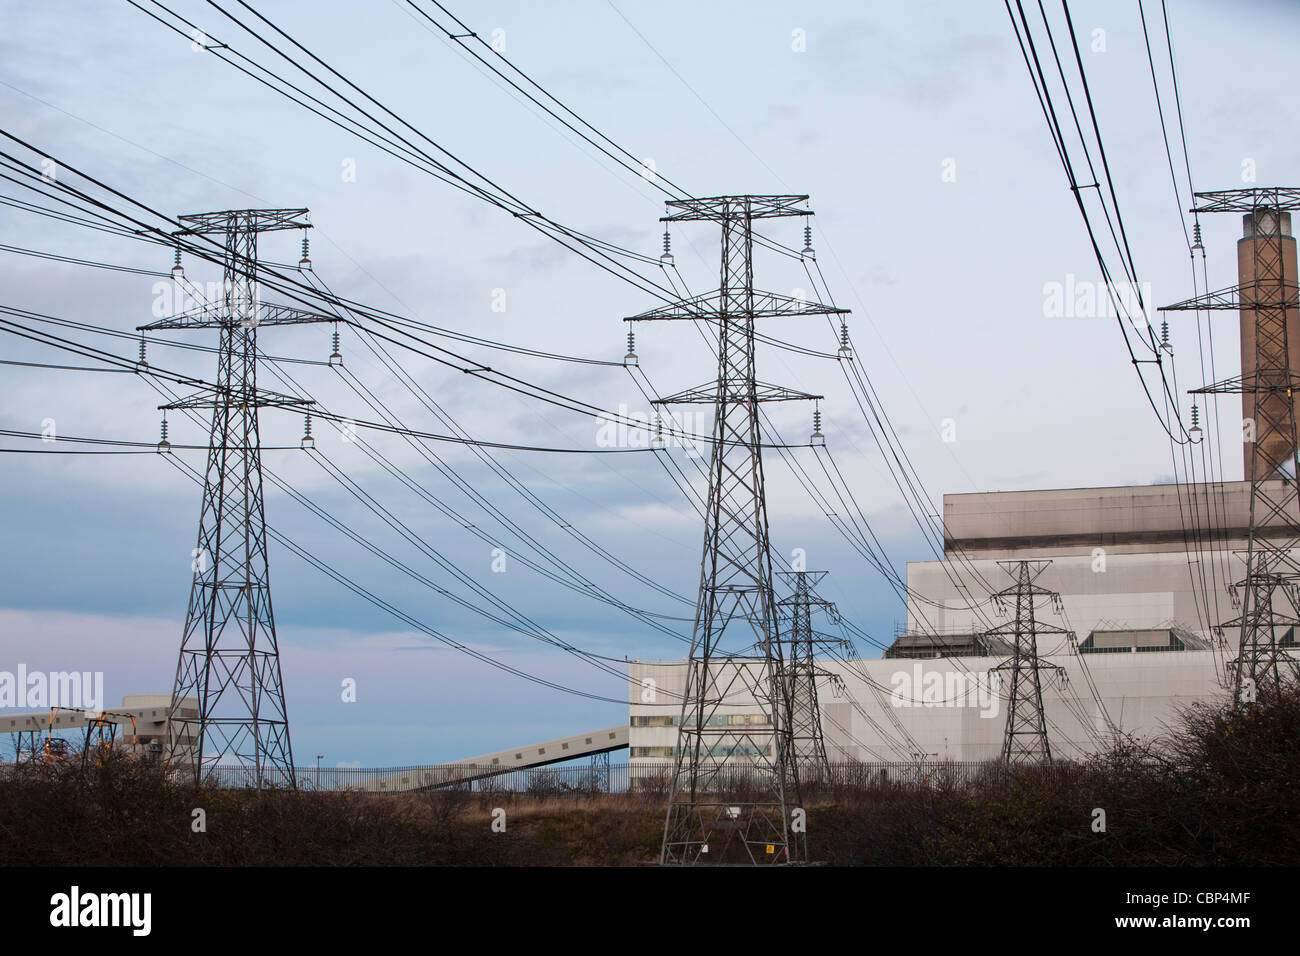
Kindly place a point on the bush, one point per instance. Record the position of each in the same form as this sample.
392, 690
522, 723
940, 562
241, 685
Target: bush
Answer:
1219, 789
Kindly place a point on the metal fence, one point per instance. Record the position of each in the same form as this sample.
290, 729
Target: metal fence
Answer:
585, 779
647, 777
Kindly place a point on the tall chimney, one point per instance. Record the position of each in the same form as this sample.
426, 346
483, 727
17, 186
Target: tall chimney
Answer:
1266, 267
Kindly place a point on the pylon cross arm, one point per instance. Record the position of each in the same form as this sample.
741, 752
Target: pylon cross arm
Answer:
217, 315
255, 398
708, 395
1248, 199
715, 306
1231, 299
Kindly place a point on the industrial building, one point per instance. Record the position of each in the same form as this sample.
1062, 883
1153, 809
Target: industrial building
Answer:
138, 726
1144, 577
1123, 559
1127, 587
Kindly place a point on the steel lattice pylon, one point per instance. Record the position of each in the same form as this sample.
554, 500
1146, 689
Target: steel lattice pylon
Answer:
1025, 740
229, 659
600, 774
1267, 301
807, 757
736, 602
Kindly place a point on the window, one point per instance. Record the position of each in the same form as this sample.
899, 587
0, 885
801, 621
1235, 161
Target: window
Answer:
653, 751
715, 720
652, 720
717, 750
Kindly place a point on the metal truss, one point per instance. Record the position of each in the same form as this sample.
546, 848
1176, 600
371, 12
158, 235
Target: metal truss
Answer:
737, 653
807, 761
1248, 199
712, 306
255, 220
600, 774
1025, 740
216, 316
229, 657
1267, 594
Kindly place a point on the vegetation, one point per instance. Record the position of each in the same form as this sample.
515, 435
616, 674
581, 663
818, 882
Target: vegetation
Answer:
1218, 790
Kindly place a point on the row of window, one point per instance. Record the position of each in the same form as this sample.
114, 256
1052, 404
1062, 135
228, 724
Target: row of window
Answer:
1129, 649
718, 750
716, 720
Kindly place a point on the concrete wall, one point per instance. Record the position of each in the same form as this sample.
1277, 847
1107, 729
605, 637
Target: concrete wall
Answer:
1124, 557
1112, 591
1119, 560
1141, 518
958, 714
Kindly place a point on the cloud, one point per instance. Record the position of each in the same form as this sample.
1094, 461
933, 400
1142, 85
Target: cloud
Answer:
96, 565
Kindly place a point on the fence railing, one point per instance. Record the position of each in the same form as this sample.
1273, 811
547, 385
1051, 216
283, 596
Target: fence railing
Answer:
616, 778
651, 777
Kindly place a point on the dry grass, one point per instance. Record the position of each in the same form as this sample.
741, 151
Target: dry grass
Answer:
1222, 791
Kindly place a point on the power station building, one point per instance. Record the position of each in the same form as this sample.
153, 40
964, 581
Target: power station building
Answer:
1129, 592
1144, 576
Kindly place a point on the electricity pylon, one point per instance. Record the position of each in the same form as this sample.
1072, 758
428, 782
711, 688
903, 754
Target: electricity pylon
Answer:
1266, 297
1025, 740
229, 658
736, 600
807, 757
600, 774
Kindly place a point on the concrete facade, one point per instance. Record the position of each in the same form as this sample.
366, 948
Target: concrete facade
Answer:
950, 707
1126, 557
1141, 591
